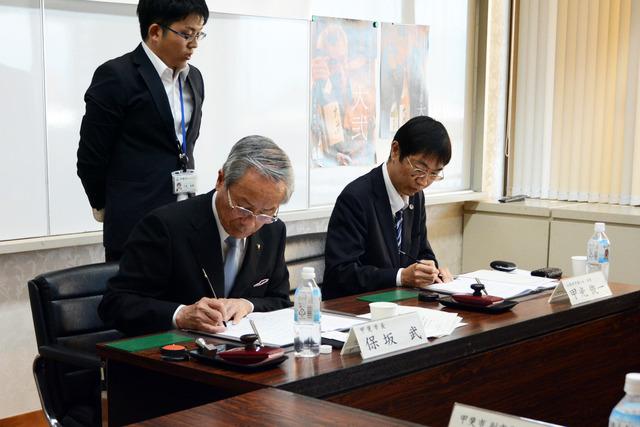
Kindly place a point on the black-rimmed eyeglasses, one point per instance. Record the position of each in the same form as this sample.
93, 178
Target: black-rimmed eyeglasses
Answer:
419, 173
246, 213
188, 37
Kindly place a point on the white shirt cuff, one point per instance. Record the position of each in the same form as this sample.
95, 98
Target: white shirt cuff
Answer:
399, 277
175, 313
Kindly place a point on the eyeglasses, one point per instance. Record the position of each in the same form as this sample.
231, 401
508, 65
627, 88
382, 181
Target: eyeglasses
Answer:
419, 173
188, 37
246, 213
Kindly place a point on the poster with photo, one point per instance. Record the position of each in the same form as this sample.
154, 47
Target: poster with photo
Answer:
403, 75
343, 92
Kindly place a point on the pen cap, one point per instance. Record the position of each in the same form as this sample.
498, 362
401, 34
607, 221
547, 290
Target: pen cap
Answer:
308, 273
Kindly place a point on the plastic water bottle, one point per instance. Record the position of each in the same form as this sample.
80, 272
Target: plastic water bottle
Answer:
307, 301
598, 251
627, 412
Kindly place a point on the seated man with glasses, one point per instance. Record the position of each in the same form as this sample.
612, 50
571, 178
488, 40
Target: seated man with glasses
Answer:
213, 258
377, 235
142, 120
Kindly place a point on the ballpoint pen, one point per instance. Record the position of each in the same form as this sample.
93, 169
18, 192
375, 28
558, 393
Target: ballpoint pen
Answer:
255, 331
212, 290
482, 288
416, 260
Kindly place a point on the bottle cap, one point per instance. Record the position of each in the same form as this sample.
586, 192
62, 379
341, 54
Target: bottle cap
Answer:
598, 227
326, 349
308, 273
632, 383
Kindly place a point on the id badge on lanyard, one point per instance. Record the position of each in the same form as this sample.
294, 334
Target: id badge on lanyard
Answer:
185, 180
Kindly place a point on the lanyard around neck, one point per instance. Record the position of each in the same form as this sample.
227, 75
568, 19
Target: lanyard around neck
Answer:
183, 148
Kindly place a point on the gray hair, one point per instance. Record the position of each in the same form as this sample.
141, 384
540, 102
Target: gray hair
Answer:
264, 156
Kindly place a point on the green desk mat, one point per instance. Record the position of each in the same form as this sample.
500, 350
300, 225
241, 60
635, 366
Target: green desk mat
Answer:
395, 295
150, 341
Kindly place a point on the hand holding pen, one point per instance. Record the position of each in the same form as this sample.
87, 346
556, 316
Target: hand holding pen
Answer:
206, 276
205, 315
235, 308
423, 272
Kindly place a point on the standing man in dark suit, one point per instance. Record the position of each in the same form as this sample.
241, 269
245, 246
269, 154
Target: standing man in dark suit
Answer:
213, 258
142, 120
382, 213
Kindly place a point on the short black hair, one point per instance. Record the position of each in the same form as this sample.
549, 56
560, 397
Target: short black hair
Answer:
166, 12
424, 135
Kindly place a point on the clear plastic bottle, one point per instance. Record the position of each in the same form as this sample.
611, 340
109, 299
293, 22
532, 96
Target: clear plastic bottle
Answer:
307, 300
627, 412
598, 251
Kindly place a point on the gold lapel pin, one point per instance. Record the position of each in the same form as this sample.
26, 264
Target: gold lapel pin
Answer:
258, 246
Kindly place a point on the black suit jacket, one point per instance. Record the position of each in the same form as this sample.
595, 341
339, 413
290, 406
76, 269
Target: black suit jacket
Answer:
128, 146
161, 268
361, 253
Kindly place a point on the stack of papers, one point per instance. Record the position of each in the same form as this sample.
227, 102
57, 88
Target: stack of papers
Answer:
497, 283
436, 323
276, 327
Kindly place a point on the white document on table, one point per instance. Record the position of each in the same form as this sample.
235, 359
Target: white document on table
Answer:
497, 283
276, 327
436, 323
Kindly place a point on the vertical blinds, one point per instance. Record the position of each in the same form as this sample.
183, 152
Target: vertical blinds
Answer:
577, 101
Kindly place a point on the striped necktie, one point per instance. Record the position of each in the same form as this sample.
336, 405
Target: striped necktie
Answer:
399, 220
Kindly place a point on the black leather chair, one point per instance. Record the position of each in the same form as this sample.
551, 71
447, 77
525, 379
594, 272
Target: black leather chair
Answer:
67, 370
304, 250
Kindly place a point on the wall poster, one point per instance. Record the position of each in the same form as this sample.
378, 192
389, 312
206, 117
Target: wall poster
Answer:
343, 92
403, 75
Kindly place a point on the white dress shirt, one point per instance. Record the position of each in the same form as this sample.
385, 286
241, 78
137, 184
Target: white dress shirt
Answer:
170, 82
397, 202
223, 235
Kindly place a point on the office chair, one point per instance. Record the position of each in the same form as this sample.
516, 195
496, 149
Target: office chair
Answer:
66, 370
304, 250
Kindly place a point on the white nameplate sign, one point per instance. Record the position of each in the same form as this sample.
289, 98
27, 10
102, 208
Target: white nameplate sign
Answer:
384, 336
579, 289
470, 416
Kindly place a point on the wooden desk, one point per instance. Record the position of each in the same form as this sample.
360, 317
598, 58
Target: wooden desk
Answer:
549, 362
272, 407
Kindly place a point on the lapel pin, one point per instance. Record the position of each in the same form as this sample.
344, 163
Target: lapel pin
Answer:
258, 246
411, 206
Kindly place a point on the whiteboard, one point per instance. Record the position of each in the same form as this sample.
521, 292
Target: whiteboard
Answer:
256, 75
23, 198
79, 36
252, 86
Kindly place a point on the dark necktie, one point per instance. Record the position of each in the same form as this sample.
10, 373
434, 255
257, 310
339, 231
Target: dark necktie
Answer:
399, 220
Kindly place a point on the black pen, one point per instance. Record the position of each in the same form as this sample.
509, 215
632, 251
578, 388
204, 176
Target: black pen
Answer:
416, 260
212, 290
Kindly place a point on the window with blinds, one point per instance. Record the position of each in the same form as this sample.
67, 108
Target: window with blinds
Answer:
576, 111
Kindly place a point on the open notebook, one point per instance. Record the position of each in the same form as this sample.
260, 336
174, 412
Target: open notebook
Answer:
276, 327
498, 283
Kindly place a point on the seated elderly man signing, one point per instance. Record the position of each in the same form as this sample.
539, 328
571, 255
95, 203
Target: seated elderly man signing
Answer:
210, 259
